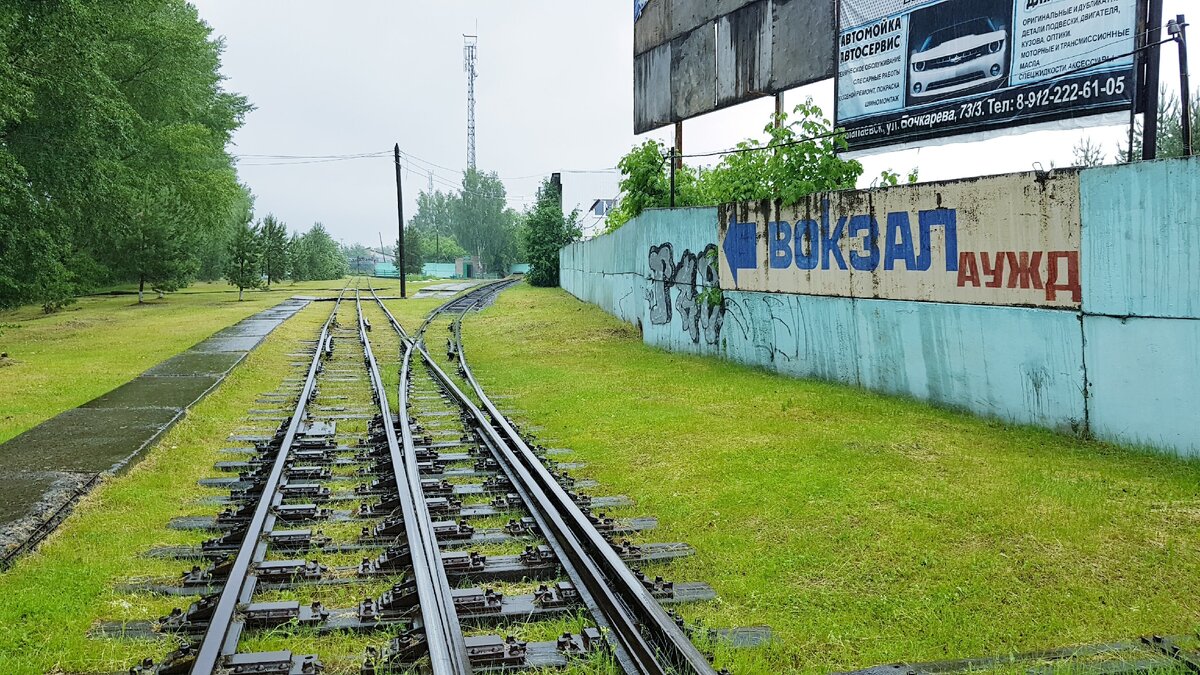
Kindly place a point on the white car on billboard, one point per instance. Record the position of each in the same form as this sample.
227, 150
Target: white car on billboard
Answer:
965, 55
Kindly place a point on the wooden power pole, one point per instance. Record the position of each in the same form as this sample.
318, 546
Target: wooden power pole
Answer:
400, 213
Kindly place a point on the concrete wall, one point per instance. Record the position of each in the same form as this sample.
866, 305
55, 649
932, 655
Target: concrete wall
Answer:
1123, 364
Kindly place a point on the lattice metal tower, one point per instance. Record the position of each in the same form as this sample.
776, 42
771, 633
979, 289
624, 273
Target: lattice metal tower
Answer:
469, 45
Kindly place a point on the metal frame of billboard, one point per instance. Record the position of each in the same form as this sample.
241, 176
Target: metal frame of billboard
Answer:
758, 47
1139, 99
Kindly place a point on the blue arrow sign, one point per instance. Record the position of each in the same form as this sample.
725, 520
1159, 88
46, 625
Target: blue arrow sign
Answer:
740, 250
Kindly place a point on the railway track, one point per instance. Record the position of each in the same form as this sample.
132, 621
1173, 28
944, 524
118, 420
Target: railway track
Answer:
463, 525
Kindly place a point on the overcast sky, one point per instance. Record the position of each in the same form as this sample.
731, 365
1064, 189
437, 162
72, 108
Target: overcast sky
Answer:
554, 93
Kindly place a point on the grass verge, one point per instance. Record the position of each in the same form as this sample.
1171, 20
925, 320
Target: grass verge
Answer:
864, 529
52, 597
112, 339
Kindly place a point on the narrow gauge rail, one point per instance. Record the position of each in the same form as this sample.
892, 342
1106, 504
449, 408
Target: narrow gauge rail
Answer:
642, 635
218, 647
423, 609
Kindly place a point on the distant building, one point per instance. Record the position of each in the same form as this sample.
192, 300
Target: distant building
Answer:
601, 207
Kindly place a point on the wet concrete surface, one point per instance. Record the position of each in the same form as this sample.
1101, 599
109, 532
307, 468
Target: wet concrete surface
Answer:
445, 290
49, 466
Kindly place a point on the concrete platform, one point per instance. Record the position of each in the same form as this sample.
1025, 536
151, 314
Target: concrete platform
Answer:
446, 290
44, 470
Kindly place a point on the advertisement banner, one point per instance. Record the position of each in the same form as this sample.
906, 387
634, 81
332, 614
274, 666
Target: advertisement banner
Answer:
911, 70
1001, 240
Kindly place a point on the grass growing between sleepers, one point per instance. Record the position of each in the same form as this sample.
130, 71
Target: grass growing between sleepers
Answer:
51, 598
863, 529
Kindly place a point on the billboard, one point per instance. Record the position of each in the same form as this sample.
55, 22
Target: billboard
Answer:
911, 70
1001, 240
691, 57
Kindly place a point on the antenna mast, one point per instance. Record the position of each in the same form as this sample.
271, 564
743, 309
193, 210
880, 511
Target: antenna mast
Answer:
469, 45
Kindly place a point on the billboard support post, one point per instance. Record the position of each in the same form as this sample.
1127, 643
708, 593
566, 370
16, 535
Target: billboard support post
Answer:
1150, 105
1177, 28
1137, 81
678, 145
778, 110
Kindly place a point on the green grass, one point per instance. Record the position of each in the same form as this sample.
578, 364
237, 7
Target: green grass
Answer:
112, 339
863, 529
53, 596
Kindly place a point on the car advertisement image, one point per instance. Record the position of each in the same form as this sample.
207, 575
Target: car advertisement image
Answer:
917, 70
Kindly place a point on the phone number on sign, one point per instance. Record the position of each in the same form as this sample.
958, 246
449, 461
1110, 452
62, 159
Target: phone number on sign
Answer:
1054, 94
1073, 91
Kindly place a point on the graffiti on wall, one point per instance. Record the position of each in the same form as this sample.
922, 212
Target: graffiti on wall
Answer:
1003, 240
697, 295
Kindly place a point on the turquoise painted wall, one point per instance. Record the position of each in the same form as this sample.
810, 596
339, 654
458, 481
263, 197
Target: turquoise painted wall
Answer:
1123, 367
439, 270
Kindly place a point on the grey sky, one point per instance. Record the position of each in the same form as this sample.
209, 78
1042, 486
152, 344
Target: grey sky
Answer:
554, 93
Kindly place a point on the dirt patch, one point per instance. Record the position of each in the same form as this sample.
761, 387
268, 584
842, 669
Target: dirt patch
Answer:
5, 361
59, 490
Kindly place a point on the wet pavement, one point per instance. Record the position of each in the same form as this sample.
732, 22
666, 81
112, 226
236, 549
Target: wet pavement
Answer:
45, 469
445, 290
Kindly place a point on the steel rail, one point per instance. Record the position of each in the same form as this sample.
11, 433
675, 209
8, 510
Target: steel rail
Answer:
630, 606
221, 637
614, 596
443, 633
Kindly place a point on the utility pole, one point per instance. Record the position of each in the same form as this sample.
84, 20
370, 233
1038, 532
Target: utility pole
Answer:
400, 214
1177, 28
1150, 104
470, 43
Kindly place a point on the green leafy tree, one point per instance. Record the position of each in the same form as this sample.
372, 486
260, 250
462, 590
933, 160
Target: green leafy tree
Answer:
546, 231
316, 256
803, 160
433, 219
481, 222
295, 258
646, 184
799, 158
1170, 128
244, 264
447, 249
414, 250
113, 126
274, 249
156, 244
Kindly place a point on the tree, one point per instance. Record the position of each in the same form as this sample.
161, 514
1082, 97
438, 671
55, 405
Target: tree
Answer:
113, 128
414, 251
1087, 153
646, 184
156, 244
295, 258
274, 249
433, 220
1170, 128
316, 256
799, 158
245, 258
803, 161
546, 231
481, 223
